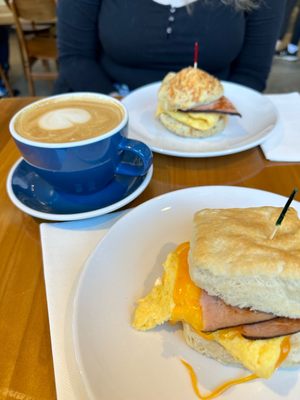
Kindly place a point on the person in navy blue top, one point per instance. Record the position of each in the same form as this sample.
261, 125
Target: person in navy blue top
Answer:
102, 43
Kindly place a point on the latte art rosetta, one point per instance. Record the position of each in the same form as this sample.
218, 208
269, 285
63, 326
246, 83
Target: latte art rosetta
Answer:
68, 120
63, 118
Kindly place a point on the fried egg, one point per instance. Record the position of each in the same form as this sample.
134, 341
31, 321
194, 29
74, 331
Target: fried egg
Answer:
201, 121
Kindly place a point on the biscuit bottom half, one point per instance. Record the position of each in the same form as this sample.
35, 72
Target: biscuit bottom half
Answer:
185, 130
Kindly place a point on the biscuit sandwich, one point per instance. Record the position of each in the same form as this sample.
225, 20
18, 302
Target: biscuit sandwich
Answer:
191, 103
235, 290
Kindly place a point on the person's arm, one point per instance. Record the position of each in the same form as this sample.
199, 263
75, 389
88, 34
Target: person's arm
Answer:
79, 47
253, 64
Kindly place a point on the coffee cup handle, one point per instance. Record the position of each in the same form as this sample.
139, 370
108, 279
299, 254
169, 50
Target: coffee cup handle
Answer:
142, 151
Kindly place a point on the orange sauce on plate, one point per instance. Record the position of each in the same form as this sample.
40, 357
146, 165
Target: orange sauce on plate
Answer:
285, 348
219, 389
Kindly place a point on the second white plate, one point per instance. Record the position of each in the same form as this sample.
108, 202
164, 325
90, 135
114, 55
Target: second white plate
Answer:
119, 363
259, 116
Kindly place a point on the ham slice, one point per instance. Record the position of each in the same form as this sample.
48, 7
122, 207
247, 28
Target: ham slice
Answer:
253, 324
218, 315
220, 106
270, 329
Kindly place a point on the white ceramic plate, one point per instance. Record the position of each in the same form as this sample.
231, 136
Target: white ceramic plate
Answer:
259, 116
119, 363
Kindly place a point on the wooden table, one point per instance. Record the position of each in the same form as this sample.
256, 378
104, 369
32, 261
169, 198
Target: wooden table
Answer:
26, 368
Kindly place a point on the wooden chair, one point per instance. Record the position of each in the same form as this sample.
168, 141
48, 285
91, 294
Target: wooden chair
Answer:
38, 44
5, 80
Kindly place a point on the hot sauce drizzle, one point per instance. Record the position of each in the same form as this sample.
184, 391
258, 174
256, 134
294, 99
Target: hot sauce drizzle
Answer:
285, 348
219, 389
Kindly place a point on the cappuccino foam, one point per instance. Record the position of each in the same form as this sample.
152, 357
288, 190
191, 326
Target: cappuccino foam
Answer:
63, 118
68, 120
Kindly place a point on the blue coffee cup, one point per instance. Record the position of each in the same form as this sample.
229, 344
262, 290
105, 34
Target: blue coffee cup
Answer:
88, 165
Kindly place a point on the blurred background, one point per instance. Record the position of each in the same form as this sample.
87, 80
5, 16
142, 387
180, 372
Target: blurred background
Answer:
284, 77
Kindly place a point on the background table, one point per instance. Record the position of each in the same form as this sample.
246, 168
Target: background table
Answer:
26, 369
6, 17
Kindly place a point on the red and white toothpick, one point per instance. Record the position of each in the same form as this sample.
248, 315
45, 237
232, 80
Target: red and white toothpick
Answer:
196, 53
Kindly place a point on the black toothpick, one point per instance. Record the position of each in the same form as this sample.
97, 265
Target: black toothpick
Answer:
283, 212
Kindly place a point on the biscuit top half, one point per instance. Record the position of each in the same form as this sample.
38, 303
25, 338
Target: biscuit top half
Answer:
236, 243
189, 88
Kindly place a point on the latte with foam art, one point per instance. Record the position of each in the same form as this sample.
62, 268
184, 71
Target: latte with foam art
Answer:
68, 120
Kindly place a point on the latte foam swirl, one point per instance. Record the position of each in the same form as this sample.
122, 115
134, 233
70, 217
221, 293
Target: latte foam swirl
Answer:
63, 118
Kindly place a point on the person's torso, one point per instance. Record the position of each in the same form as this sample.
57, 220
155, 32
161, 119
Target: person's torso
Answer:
144, 35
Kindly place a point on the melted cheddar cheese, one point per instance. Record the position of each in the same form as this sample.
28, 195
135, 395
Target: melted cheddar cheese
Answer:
185, 294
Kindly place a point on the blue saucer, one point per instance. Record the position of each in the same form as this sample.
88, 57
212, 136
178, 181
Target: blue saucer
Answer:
33, 195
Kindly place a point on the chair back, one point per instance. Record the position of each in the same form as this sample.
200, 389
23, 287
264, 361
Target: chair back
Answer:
39, 42
37, 11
